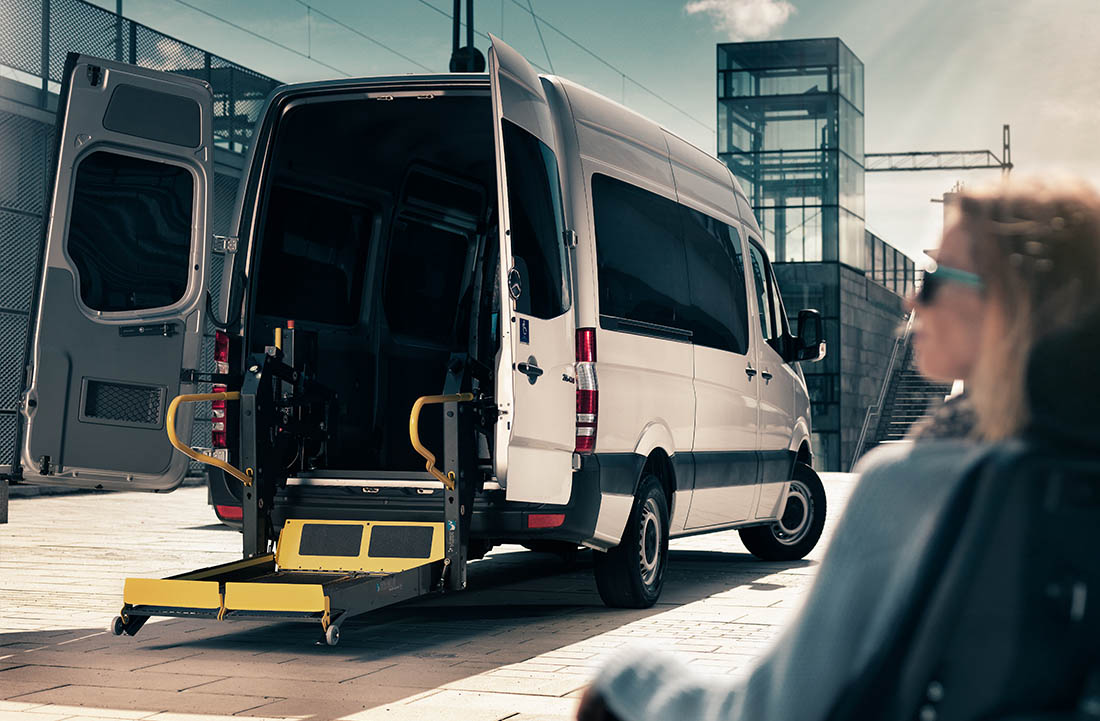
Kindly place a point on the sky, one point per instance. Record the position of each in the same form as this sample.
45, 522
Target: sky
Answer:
940, 74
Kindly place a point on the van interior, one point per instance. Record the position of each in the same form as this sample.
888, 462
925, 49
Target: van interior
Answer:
374, 238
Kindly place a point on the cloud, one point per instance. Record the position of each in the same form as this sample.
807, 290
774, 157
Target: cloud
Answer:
744, 19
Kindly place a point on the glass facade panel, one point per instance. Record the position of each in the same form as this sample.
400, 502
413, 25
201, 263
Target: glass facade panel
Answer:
851, 130
851, 185
782, 81
851, 77
851, 239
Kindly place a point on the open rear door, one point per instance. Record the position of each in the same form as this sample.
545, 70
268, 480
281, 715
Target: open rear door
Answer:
535, 376
119, 309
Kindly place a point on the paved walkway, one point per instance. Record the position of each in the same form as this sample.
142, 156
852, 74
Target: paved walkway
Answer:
520, 645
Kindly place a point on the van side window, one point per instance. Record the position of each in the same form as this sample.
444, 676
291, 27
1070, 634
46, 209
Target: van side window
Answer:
719, 317
130, 232
535, 213
767, 312
639, 254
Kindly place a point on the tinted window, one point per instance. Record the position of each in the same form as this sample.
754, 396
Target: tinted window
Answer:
767, 313
640, 254
130, 232
718, 316
534, 208
314, 251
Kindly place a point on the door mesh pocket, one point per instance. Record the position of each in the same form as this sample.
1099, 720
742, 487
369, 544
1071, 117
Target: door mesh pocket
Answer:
123, 403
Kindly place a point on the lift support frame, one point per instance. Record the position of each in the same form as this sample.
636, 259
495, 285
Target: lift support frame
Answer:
326, 571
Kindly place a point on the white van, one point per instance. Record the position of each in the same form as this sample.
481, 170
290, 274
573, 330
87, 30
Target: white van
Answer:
595, 281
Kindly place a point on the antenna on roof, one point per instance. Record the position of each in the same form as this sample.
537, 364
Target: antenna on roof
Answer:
466, 59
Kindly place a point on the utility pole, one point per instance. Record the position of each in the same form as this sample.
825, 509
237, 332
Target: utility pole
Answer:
466, 59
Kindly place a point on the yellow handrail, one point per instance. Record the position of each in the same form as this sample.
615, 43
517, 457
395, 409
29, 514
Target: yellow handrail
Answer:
245, 478
414, 432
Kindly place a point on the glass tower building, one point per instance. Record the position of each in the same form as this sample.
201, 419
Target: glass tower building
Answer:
790, 126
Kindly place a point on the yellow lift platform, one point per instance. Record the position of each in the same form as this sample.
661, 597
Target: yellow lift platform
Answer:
322, 571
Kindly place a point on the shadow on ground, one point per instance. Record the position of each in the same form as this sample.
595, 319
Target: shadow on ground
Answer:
520, 605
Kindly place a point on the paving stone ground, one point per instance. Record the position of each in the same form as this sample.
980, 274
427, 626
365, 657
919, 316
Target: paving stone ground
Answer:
520, 645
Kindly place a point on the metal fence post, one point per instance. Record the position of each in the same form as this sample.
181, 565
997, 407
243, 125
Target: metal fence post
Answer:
45, 67
118, 30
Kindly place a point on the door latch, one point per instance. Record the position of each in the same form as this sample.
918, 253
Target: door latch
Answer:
166, 330
225, 244
569, 237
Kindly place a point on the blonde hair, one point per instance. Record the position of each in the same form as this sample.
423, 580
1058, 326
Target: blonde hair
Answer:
1036, 244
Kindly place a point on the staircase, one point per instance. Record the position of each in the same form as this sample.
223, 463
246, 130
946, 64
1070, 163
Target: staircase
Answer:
906, 398
910, 399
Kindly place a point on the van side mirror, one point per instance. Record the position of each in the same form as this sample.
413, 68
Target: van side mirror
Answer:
809, 345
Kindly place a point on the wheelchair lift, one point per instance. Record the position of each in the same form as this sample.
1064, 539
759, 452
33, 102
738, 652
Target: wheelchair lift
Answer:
321, 571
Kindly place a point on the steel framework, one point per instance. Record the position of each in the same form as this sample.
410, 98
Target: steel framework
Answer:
942, 159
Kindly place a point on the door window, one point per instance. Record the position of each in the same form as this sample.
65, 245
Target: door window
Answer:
763, 296
130, 232
640, 254
535, 213
718, 314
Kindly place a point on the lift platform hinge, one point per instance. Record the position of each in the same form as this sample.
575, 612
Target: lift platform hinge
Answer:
190, 375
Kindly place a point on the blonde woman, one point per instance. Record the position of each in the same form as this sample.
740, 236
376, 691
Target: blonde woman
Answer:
1013, 307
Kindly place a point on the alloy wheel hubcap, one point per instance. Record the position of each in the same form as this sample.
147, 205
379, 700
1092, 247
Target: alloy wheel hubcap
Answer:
793, 526
650, 542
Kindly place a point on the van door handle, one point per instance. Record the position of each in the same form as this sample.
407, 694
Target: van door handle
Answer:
530, 369
766, 376
750, 372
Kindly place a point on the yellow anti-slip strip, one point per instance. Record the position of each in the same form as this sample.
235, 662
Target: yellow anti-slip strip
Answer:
358, 546
172, 593
274, 597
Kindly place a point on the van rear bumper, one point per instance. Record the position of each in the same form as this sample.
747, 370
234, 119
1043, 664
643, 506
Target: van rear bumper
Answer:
494, 517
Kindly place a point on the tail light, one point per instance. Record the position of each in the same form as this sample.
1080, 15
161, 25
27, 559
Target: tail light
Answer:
229, 513
218, 437
588, 391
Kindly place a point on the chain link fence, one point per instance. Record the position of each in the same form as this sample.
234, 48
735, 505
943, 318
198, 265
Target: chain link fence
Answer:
35, 37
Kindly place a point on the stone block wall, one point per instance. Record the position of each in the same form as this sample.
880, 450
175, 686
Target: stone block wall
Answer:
860, 319
871, 316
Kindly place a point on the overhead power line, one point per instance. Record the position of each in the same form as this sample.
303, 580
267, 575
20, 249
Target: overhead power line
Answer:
363, 35
255, 34
583, 47
531, 9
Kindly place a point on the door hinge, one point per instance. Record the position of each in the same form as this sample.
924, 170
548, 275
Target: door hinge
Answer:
569, 237
225, 244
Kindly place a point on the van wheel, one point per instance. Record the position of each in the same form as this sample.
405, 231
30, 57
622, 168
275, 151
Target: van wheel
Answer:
632, 574
799, 528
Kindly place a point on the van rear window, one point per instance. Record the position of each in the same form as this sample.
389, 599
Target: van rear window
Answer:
130, 232
313, 257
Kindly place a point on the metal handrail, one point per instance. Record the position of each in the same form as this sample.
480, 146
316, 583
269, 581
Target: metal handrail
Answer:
414, 433
244, 477
876, 409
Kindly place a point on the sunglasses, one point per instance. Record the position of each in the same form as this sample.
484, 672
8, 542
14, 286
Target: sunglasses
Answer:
940, 274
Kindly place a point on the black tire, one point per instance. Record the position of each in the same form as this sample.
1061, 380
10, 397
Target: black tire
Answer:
799, 528
632, 574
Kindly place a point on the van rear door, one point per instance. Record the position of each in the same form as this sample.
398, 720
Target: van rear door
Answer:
536, 389
120, 307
